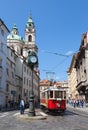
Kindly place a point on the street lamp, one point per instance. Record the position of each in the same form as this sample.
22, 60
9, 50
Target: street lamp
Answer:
32, 60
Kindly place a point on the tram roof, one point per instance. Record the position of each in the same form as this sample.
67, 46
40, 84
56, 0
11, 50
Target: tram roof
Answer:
51, 88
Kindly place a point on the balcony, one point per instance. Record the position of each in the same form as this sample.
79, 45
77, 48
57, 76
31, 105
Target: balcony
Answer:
81, 84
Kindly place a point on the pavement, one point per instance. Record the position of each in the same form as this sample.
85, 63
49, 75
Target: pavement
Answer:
84, 109
39, 115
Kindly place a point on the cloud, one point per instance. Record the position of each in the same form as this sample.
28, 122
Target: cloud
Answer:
69, 53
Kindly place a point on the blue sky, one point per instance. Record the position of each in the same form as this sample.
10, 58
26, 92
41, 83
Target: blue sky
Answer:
59, 27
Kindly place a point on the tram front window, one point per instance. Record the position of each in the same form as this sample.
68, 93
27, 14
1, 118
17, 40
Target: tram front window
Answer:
64, 95
51, 94
58, 94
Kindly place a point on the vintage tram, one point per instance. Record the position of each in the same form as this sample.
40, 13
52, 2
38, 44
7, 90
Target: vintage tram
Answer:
53, 99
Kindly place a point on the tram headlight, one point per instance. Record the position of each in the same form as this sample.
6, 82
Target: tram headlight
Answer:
58, 104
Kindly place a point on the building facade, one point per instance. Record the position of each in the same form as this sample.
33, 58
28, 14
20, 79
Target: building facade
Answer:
82, 68
3, 56
72, 79
23, 73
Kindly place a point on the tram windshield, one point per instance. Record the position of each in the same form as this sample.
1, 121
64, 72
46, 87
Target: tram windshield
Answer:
58, 94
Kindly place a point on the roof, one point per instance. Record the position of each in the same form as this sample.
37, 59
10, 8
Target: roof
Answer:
14, 34
2, 23
51, 88
45, 82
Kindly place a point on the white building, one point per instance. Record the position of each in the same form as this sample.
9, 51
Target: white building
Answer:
21, 48
3, 55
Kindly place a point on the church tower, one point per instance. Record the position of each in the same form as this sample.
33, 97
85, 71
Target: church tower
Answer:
30, 34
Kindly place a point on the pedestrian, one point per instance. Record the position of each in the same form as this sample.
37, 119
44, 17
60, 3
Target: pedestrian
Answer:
22, 106
82, 103
74, 103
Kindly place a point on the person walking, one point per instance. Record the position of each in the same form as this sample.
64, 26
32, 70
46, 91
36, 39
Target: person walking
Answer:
74, 103
82, 103
22, 106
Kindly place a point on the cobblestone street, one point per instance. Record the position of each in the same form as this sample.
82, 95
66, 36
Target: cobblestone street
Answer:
68, 121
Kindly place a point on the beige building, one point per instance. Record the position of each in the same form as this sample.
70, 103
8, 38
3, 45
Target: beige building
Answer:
82, 68
72, 79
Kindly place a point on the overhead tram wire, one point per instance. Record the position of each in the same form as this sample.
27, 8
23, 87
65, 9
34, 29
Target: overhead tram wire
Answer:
59, 64
55, 53
59, 54
66, 56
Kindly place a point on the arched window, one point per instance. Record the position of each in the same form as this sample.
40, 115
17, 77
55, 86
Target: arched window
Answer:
30, 38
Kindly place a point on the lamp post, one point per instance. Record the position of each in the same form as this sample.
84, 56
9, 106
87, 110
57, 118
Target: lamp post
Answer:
32, 60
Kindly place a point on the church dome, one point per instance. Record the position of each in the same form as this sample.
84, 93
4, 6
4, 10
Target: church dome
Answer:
14, 34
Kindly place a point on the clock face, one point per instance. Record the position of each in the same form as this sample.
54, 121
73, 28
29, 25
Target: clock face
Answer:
33, 59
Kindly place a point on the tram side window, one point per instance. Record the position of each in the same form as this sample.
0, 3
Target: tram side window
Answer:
51, 94
58, 94
64, 95
43, 95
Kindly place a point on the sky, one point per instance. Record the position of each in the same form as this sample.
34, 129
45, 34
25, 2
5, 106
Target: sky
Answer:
59, 27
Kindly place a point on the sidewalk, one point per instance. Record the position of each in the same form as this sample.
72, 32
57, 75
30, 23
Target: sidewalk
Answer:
84, 109
39, 115
8, 109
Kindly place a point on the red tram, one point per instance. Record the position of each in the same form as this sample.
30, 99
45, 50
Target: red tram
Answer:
53, 99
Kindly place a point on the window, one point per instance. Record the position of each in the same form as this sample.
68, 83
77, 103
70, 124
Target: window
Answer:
30, 38
24, 69
7, 87
84, 70
27, 81
0, 62
21, 52
24, 80
11, 53
58, 94
2, 32
12, 75
7, 72
0, 83
51, 94
64, 95
1, 46
27, 71
43, 95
